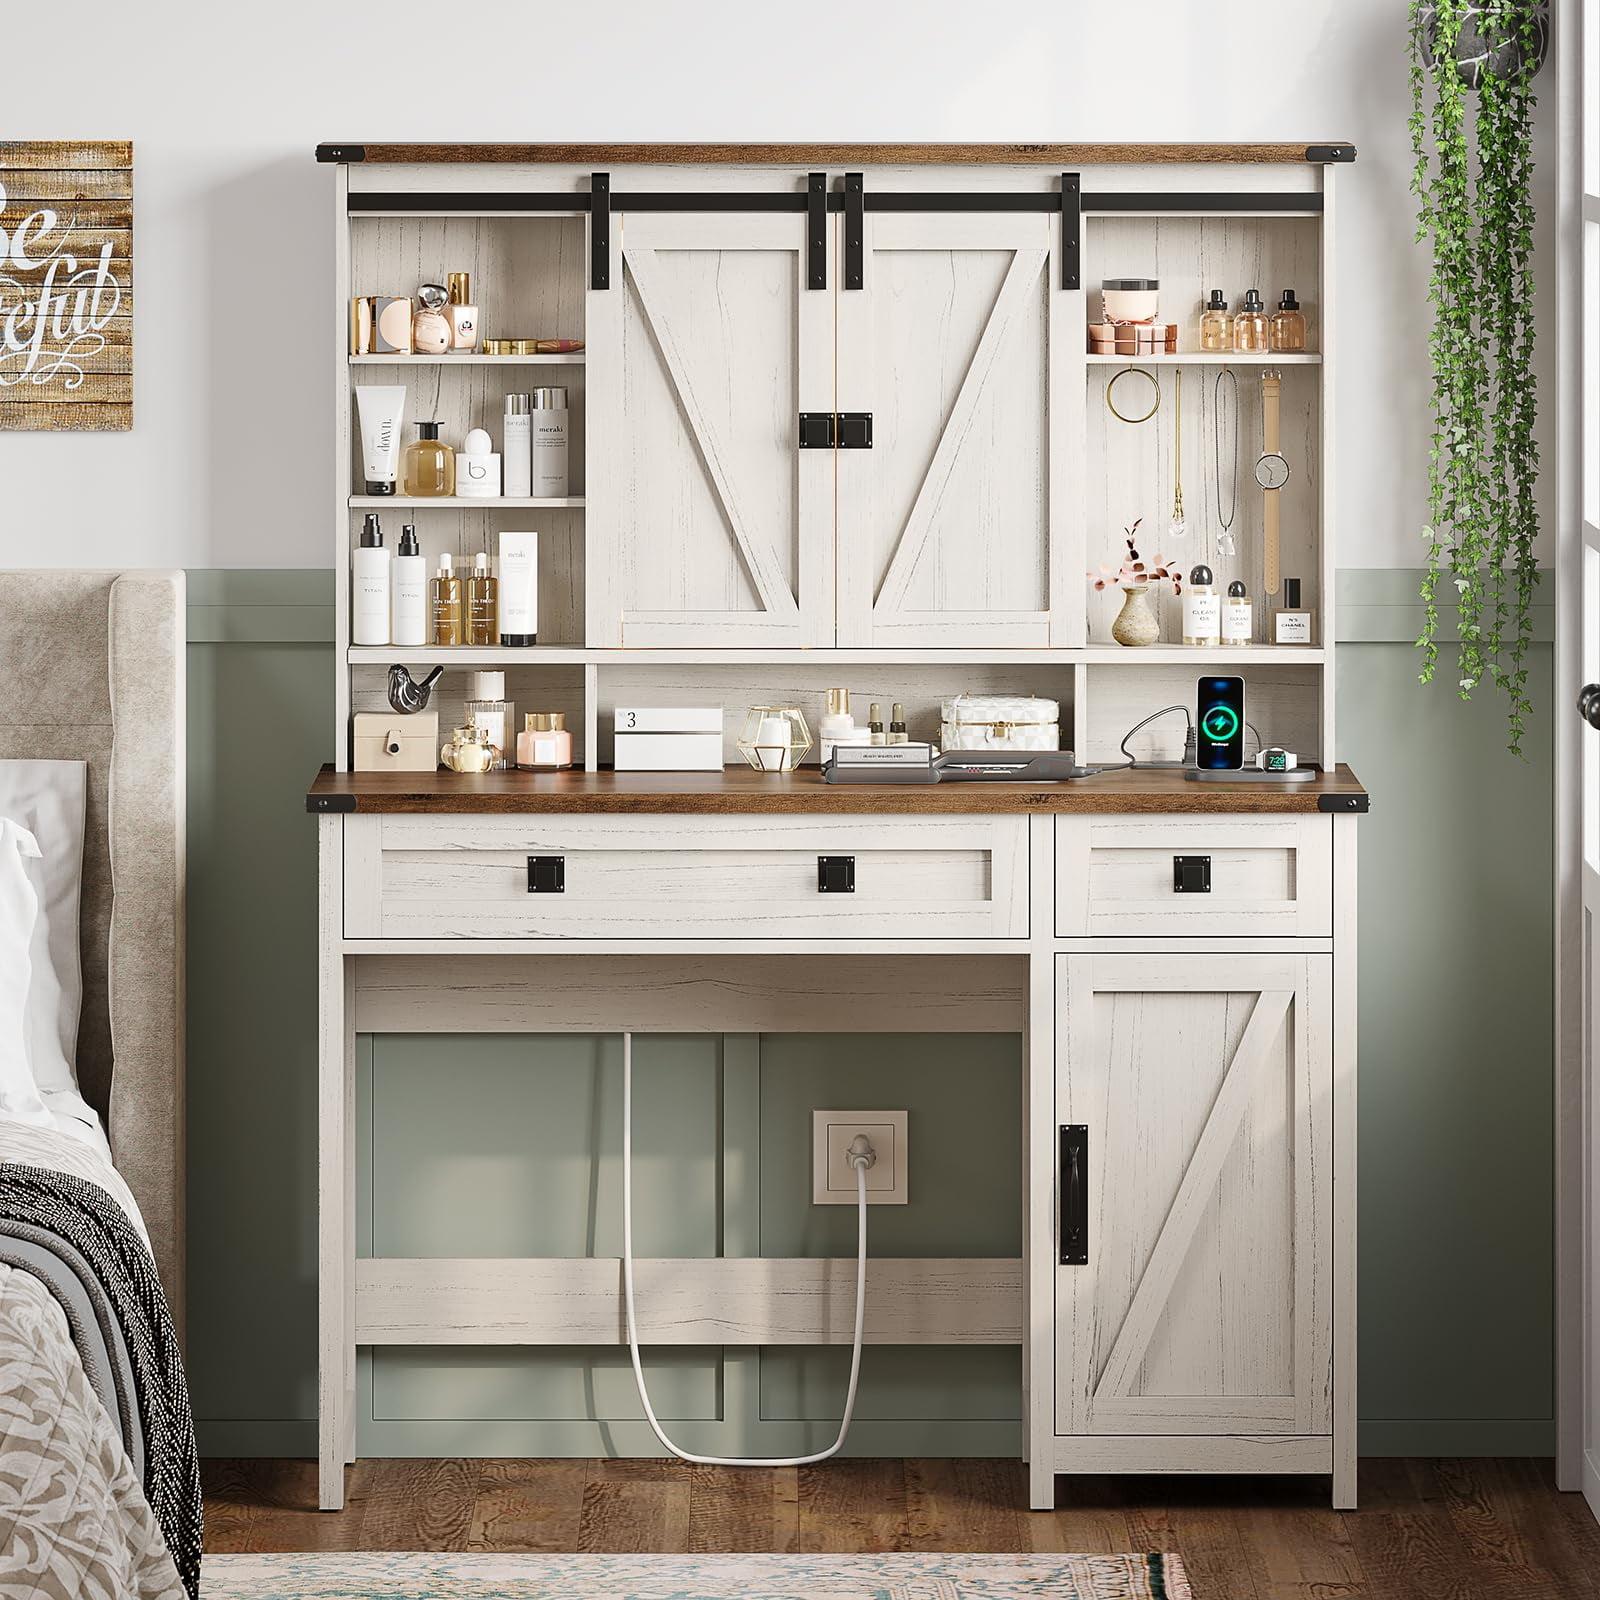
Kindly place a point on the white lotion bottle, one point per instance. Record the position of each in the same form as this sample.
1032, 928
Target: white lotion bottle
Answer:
550, 444
516, 448
477, 467
369, 586
408, 617
519, 590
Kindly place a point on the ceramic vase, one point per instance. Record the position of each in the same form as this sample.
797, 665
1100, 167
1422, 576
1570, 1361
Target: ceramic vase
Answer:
1136, 623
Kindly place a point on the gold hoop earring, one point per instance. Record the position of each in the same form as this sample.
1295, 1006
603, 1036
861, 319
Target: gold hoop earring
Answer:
1155, 386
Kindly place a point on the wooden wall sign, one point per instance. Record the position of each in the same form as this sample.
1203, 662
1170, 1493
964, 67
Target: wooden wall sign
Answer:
66, 284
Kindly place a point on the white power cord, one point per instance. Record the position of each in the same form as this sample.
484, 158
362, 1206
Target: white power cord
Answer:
861, 1156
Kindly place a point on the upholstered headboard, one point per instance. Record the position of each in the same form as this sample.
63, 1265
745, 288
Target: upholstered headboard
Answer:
92, 668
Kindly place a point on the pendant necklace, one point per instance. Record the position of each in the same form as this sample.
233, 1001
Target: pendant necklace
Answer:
1225, 541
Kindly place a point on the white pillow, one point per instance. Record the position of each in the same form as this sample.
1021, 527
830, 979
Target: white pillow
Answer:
48, 799
19, 916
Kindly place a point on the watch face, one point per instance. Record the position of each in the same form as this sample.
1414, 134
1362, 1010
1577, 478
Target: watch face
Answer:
1277, 761
1272, 471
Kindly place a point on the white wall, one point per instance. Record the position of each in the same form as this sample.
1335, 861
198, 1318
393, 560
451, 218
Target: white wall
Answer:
228, 463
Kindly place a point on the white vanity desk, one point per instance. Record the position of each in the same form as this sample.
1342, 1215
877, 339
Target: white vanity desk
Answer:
1190, 1139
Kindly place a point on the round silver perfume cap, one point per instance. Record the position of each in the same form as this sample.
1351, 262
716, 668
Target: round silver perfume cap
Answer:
549, 399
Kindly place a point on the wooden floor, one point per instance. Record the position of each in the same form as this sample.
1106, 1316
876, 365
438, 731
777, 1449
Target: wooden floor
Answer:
1427, 1529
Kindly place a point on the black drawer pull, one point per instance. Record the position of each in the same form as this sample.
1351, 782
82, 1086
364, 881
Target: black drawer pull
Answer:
1074, 1195
836, 874
547, 874
1191, 874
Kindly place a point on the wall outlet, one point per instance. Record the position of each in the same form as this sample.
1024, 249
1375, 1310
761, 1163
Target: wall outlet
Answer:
833, 1179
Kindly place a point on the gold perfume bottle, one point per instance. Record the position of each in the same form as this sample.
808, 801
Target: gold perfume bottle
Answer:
1288, 327
1250, 325
1216, 326
444, 596
483, 603
430, 466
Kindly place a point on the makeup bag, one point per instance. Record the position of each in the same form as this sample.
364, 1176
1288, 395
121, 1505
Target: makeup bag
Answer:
999, 722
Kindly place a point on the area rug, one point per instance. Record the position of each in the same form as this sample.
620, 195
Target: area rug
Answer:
409, 1576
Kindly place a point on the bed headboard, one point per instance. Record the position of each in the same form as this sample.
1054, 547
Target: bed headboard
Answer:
92, 668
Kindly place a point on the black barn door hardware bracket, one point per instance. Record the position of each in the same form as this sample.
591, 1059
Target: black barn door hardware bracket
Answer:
1074, 1202
835, 430
547, 874
855, 242
600, 230
1071, 230
817, 230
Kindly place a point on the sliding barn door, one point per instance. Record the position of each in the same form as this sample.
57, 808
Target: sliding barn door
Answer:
952, 526
1194, 1094
707, 526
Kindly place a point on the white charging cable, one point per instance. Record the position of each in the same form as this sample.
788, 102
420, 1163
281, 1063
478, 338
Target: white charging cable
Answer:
861, 1156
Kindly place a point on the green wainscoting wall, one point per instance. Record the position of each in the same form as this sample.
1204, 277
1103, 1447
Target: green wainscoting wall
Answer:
514, 1148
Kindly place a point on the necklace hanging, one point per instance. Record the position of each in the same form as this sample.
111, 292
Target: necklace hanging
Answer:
1178, 526
1225, 541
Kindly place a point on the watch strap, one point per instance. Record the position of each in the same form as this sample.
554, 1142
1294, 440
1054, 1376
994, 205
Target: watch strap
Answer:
1271, 551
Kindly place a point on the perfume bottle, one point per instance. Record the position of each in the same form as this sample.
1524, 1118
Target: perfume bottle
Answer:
1238, 624
1216, 326
444, 599
544, 745
1250, 326
461, 313
1202, 610
430, 327
1288, 328
1291, 623
430, 466
875, 734
492, 714
483, 603
897, 724
838, 726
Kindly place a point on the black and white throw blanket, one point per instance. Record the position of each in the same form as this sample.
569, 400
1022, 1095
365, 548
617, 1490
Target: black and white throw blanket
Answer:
95, 1244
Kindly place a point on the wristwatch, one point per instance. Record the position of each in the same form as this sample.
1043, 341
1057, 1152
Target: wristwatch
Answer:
1276, 759
1272, 473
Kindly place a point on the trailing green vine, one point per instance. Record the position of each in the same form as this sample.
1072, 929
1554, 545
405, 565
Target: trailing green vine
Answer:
1472, 179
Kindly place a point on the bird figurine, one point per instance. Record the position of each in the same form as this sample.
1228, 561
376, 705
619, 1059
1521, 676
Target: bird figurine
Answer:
406, 694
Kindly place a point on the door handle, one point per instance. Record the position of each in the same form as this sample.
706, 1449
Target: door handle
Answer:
547, 874
1191, 874
1589, 704
1074, 1241
836, 874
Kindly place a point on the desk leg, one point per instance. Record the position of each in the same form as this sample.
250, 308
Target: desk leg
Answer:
1038, 1225
336, 1350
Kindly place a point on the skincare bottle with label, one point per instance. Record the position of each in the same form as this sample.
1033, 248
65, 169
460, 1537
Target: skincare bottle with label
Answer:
897, 724
477, 467
369, 586
483, 603
875, 733
1202, 610
1216, 326
519, 590
1291, 624
444, 601
1250, 326
1287, 331
837, 725
430, 327
544, 745
430, 466
492, 714
1238, 625
462, 314
517, 446
550, 444
408, 583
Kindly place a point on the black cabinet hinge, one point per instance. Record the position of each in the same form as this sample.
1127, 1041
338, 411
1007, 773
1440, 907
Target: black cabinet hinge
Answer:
817, 230
855, 230
835, 430
1071, 230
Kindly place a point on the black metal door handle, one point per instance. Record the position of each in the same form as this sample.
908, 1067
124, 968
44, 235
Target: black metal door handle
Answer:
1074, 1195
1589, 704
547, 874
1191, 874
836, 874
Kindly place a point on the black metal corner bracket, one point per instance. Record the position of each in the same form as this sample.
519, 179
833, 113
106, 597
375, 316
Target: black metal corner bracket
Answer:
1071, 230
817, 230
600, 230
855, 232
1330, 154
326, 804
341, 152
1360, 804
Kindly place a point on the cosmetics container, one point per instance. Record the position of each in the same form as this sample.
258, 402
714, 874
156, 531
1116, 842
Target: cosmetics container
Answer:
544, 745
1287, 330
408, 591
1250, 326
1291, 624
875, 733
531, 347
838, 726
481, 609
517, 446
430, 327
391, 325
369, 586
361, 325
1202, 609
469, 751
1130, 299
519, 590
477, 467
897, 724
461, 314
492, 714
1216, 326
549, 444
430, 466
1238, 621
444, 603
999, 722
380, 409
385, 741
1102, 338
668, 739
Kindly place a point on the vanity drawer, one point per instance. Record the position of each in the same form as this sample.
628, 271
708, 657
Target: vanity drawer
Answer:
1155, 876
648, 877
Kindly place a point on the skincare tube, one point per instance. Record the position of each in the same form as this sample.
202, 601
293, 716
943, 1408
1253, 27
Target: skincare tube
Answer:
381, 409
519, 589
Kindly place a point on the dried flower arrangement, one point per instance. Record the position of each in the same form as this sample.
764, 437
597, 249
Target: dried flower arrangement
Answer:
1135, 573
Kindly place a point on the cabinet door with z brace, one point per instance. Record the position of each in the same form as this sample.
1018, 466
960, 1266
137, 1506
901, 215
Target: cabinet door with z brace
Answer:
952, 526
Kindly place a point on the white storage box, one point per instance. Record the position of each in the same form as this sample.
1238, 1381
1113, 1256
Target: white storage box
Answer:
999, 722
668, 739
386, 741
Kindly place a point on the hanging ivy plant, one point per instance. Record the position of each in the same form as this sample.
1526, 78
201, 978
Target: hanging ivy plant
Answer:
1472, 179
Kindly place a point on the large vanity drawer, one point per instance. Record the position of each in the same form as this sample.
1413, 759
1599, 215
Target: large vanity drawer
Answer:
649, 877
1267, 876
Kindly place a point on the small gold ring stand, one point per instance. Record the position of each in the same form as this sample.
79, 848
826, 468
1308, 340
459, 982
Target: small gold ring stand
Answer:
1155, 385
